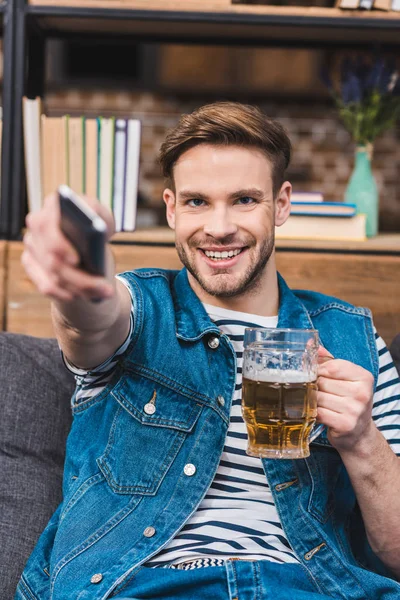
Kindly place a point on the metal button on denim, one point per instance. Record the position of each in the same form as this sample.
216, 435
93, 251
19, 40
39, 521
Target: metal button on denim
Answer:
213, 342
149, 532
149, 408
189, 469
96, 578
221, 400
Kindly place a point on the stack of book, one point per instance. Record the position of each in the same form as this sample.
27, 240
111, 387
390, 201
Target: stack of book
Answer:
312, 218
98, 157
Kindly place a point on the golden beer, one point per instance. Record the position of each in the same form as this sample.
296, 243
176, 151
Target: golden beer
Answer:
279, 414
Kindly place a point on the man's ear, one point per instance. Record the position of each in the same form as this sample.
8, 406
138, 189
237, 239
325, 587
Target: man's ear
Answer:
169, 199
282, 206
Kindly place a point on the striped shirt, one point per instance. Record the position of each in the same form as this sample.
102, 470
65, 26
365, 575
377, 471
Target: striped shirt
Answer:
238, 517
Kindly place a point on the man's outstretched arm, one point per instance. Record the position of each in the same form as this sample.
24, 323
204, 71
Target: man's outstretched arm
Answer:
88, 331
345, 398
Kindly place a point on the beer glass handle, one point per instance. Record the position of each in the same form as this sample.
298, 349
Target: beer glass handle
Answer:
316, 431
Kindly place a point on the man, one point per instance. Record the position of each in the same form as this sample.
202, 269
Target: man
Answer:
160, 498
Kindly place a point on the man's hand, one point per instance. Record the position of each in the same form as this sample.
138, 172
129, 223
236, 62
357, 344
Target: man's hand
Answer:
345, 394
51, 261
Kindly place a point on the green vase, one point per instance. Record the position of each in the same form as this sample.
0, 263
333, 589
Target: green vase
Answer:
362, 189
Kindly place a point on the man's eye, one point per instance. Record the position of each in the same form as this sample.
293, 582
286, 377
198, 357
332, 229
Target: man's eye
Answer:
195, 202
246, 200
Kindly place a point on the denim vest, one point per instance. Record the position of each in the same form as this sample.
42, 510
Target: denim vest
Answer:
126, 493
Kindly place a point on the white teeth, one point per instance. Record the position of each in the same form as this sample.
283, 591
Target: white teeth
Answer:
225, 254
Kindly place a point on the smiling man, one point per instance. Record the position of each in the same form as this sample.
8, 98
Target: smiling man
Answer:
160, 498
224, 232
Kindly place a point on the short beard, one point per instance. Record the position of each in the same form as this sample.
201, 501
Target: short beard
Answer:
250, 280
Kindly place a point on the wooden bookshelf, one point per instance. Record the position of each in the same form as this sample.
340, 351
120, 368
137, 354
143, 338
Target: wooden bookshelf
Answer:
217, 6
217, 20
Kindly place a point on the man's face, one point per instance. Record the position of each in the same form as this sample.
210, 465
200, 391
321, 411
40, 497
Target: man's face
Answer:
224, 214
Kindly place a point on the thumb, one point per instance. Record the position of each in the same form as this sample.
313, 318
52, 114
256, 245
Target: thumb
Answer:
323, 355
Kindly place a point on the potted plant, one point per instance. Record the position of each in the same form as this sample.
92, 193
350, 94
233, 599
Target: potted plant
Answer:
367, 95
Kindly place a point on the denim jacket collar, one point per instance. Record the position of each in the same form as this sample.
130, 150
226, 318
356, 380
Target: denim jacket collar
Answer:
292, 312
192, 321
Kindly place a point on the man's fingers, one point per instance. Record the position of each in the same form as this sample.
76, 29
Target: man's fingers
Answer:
67, 283
89, 285
45, 284
339, 387
343, 370
336, 421
323, 355
337, 404
51, 248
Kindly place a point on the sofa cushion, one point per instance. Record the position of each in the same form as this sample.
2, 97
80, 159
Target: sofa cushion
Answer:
35, 418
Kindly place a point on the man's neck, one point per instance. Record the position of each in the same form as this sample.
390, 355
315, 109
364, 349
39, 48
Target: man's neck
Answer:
262, 300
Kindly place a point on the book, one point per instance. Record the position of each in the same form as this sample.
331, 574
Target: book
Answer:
323, 228
383, 5
366, 4
54, 153
132, 174
106, 149
31, 111
330, 209
120, 155
75, 153
307, 197
349, 4
396, 5
98, 123
90, 158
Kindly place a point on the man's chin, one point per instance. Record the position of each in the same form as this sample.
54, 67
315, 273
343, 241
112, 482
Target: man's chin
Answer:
222, 284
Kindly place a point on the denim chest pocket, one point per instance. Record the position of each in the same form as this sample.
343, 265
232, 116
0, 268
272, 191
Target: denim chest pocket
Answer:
150, 425
326, 469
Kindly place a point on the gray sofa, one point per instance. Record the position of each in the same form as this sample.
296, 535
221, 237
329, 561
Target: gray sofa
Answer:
34, 423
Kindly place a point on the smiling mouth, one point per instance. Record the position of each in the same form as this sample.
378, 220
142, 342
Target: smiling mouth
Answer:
224, 255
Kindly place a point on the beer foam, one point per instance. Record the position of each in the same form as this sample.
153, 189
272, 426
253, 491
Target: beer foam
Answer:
279, 375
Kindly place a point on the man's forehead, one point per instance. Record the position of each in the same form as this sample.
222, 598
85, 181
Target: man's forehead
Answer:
209, 169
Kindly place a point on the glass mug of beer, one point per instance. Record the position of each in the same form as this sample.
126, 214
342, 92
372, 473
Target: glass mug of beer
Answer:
279, 394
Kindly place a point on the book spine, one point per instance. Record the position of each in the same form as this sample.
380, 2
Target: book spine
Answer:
125, 174
119, 172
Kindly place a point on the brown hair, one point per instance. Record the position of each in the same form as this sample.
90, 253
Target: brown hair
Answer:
228, 124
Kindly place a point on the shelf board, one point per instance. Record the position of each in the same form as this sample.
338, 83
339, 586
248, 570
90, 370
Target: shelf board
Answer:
194, 21
385, 243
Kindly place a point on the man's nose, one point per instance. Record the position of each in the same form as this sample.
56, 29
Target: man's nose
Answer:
220, 224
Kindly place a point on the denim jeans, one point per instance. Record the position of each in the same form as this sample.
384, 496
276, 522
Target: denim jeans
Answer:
237, 580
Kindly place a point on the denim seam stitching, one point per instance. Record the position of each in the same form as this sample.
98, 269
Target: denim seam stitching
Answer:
128, 580
148, 274
162, 471
83, 488
26, 589
167, 423
256, 576
355, 310
169, 383
101, 532
106, 468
